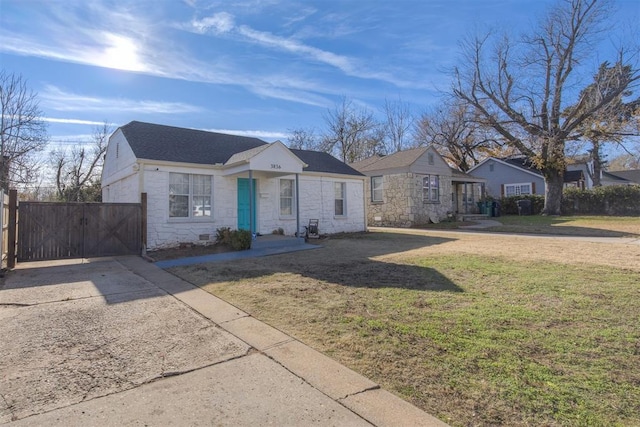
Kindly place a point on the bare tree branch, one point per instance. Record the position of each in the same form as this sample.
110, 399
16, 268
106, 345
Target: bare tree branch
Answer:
22, 131
521, 88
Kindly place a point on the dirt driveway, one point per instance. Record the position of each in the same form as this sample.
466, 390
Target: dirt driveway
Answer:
73, 334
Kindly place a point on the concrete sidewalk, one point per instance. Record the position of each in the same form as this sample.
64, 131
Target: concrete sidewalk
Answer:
187, 357
487, 224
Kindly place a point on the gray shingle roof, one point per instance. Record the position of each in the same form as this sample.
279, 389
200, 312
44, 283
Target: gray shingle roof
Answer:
323, 162
158, 142
525, 163
173, 144
573, 176
392, 161
629, 175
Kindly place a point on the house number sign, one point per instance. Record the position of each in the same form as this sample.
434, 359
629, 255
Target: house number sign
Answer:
275, 166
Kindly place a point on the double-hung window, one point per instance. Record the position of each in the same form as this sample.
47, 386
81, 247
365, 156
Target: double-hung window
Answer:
376, 189
189, 195
340, 199
431, 189
286, 197
517, 189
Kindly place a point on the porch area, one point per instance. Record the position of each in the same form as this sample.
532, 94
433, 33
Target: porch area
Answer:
263, 245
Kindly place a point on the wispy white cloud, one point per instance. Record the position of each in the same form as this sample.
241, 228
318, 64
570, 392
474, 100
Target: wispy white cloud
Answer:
60, 100
72, 121
224, 23
262, 134
124, 39
218, 23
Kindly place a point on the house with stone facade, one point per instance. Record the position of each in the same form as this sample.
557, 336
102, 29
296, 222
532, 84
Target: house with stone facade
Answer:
197, 182
415, 187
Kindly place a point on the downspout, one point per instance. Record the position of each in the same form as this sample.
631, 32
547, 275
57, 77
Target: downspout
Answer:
364, 204
297, 205
251, 207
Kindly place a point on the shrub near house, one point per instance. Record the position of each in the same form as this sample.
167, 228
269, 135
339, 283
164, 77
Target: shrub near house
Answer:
611, 200
619, 200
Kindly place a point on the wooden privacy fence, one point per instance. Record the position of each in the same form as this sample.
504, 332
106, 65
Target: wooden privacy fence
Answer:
4, 228
47, 231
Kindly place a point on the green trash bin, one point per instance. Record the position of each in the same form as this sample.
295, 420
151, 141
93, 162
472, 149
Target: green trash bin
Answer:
481, 208
488, 208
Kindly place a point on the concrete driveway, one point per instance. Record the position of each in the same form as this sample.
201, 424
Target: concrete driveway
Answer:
118, 341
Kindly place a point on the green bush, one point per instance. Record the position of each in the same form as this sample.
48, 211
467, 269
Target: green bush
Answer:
509, 205
621, 200
240, 240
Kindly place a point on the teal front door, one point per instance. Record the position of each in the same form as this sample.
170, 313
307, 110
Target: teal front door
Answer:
244, 206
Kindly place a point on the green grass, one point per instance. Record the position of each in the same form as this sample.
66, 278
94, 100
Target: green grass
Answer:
473, 338
554, 350
592, 226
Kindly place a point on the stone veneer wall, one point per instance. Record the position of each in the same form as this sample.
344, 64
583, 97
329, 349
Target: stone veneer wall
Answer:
402, 204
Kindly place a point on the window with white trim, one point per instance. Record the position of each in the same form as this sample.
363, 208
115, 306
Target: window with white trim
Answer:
286, 197
376, 189
517, 189
189, 195
431, 189
340, 198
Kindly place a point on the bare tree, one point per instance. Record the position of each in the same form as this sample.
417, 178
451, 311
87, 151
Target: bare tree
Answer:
397, 124
613, 123
352, 134
455, 129
23, 133
625, 162
78, 169
519, 88
303, 139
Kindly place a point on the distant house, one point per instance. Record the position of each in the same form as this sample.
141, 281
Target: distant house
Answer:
628, 177
607, 178
414, 187
197, 182
514, 176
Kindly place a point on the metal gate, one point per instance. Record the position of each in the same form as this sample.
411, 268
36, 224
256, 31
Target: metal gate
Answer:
78, 230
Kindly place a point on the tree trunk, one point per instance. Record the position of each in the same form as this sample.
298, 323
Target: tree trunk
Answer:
597, 164
554, 183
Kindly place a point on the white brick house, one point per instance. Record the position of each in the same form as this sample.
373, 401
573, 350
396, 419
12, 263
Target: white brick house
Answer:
197, 182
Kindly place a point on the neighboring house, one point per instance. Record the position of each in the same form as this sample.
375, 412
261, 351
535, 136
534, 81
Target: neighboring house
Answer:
197, 182
607, 178
515, 176
629, 177
414, 187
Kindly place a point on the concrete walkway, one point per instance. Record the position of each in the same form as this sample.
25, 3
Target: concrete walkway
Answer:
235, 255
119, 341
486, 225
482, 223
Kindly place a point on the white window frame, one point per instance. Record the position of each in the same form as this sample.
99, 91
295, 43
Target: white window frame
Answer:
343, 198
292, 197
517, 189
431, 190
379, 188
190, 198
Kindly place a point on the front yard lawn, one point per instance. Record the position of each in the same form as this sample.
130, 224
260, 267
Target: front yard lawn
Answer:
474, 329
595, 226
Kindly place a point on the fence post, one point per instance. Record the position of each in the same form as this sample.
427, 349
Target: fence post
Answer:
13, 216
143, 202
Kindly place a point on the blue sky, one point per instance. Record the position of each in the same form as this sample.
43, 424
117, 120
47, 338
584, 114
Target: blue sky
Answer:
253, 67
